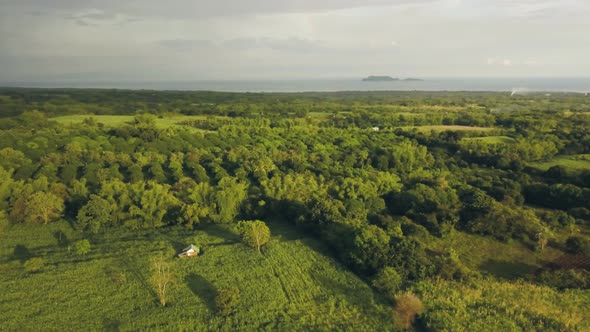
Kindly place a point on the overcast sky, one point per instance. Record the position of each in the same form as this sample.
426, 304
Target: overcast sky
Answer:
261, 39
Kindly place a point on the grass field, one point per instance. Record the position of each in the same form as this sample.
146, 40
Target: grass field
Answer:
448, 128
118, 120
492, 139
495, 258
492, 305
293, 286
575, 162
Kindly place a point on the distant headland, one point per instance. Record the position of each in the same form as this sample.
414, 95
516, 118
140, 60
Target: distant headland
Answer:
387, 79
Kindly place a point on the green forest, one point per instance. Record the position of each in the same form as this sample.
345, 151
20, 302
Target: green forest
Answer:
344, 211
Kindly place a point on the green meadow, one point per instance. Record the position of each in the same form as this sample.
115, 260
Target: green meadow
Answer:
574, 162
429, 128
118, 120
292, 286
492, 139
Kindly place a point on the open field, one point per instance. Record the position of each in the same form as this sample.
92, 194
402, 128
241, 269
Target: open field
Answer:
492, 305
491, 257
575, 162
448, 128
118, 120
492, 139
292, 286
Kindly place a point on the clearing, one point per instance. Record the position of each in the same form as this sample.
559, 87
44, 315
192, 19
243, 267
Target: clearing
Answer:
578, 162
448, 128
492, 139
118, 120
292, 286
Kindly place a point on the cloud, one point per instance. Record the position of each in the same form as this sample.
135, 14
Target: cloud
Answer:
505, 62
290, 44
94, 17
191, 9
185, 45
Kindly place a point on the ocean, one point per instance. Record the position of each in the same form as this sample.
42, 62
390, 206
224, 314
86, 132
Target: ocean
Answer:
520, 85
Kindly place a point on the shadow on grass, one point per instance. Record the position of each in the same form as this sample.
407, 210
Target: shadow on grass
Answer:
62, 239
222, 232
202, 288
508, 270
360, 296
111, 325
21, 253
136, 273
285, 231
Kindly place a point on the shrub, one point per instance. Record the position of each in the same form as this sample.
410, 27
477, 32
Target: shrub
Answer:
388, 281
34, 264
578, 245
82, 247
407, 307
227, 300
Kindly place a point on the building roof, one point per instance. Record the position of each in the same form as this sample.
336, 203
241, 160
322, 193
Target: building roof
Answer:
191, 247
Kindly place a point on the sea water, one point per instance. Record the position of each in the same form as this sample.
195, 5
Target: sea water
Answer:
522, 85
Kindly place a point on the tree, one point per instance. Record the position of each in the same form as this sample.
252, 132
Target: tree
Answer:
162, 277
94, 214
228, 197
150, 203
388, 281
227, 300
407, 307
254, 233
43, 207
371, 246
82, 247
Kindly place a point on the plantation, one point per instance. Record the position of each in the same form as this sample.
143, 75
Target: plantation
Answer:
294, 285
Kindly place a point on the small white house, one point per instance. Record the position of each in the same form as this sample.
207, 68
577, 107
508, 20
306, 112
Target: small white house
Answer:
375, 128
190, 251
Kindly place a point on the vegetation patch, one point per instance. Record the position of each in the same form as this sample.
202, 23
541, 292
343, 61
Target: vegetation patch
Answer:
492, 139
428, 128
574, 162
292, 286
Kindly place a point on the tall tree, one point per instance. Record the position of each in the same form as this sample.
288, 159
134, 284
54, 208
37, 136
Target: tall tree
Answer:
94, 214
162, 277
43, 207
254, 233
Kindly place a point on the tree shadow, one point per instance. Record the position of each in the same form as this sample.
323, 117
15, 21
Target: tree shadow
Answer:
202, 288
62, 239
354, 295
21, 253
222, 232
136, 273
508, 270
111, 325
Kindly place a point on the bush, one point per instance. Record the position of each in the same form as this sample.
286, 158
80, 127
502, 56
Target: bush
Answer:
82, 247
407, 307
578, 245
34, 264
227, 300
564, 279
388, 281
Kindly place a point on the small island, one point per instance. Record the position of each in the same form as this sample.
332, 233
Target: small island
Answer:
380, 79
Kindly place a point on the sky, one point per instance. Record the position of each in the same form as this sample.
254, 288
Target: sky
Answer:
179, 40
